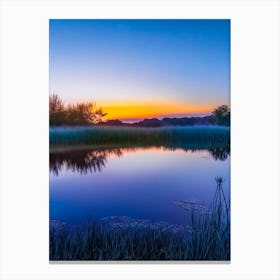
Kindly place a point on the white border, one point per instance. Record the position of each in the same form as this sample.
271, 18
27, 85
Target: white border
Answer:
255, 138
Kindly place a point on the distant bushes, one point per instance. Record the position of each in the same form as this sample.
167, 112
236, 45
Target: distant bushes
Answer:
81, 113
86, 113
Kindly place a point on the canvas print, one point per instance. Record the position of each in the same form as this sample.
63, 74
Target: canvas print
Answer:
139, 140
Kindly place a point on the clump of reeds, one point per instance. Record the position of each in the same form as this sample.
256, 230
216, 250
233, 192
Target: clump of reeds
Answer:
210, 238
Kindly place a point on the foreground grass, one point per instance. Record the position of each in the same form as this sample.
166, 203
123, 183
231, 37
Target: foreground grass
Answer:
196, 136
209, 239
98, 242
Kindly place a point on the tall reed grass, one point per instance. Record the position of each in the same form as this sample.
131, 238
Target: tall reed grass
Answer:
196, 136
209, 239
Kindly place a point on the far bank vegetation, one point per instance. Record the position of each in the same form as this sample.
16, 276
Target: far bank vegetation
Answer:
87, 114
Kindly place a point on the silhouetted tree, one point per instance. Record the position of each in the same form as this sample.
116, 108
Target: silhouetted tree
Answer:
221, 115
82, 113
57, 110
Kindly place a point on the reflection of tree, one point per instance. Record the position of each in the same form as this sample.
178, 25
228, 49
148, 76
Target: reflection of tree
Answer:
220, 153
77, 161
94, 160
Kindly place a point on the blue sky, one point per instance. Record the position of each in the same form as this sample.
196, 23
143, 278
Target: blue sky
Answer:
130, 61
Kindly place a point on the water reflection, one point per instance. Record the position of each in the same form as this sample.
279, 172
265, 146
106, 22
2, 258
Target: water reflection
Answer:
78, 161
219, 153
93, 160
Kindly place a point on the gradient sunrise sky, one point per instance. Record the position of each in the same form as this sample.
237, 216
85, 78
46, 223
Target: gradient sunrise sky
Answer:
138, 69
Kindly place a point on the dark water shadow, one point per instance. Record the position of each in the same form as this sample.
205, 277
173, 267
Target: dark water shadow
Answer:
89, 160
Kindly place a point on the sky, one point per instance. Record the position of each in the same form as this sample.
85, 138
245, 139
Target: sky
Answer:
137, 69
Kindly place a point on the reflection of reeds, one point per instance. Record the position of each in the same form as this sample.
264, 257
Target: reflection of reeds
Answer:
209, 239
87, 160
105, 140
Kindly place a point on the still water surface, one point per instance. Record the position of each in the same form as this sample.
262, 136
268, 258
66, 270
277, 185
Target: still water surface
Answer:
139, 183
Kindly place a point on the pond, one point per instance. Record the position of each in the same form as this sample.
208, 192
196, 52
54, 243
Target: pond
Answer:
139, 183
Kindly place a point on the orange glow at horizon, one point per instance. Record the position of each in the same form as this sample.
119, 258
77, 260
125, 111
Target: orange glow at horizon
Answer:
141, 110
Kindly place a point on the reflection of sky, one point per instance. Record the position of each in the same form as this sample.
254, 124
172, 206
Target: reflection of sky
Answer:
111, 61
142, 184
